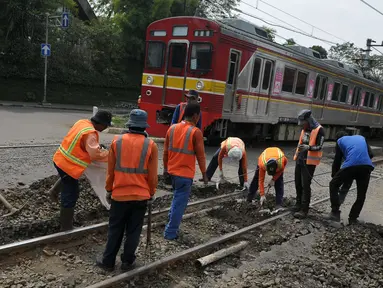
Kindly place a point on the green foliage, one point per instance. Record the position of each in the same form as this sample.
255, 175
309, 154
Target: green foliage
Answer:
321, 51
290, 41
348, 53
271, 32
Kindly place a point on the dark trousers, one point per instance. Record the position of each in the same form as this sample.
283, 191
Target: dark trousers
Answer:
279, 188
343, 191
361, 174
214, 164
125, 216
303, 177
70, 190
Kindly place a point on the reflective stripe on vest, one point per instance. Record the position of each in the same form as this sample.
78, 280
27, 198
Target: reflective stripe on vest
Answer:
279, 160
229, 144
183, 150
129, 170
311, 159
182, 111
68, 153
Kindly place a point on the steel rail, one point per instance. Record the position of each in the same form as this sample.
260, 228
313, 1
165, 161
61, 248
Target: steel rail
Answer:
199, 248
60, 236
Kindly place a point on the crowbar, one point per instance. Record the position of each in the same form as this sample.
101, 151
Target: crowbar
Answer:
148, 232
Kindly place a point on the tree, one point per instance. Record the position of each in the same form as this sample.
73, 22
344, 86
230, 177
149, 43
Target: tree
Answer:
290, 41
321, 51
349, 54
271, 32
217, 8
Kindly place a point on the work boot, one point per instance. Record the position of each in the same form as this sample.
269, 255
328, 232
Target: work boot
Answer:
353, 221
128, 266
66, 218
100, 264
300, 214
296, 208
334, 216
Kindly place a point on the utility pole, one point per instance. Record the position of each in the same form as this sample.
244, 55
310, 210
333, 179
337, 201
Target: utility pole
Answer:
184, 7
46, 59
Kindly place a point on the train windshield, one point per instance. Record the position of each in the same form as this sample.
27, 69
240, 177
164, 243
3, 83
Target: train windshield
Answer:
155, 55
201, 55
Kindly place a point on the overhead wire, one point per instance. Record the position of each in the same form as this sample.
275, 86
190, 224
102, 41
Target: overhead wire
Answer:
372, 7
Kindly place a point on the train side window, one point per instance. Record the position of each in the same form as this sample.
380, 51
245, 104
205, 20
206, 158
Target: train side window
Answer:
355, 96
178, 55
201, 56
324, 88
288, 79
381, 102
266, 75
155, 54
343, 94
317, 86
372, 100
335, 92
256, 72
366, 99
300, 87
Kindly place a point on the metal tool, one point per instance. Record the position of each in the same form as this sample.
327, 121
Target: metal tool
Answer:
55, 191
148, 233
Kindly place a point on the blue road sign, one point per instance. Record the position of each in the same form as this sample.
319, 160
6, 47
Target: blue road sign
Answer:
45, 50
65, 20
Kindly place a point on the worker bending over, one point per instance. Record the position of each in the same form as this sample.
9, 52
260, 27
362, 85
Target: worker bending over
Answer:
131, 182
272, 161
178, 115
357, 166
183, 144
308, 155
79, 147
233, 148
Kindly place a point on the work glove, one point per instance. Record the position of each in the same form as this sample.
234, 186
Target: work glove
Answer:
221, 177
168, 179
108, 197
262, 200
102, 146
303, 147
271, 183
205, 179
246, 185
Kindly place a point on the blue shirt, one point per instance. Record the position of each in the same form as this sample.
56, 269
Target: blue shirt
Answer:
176, 115
355, 151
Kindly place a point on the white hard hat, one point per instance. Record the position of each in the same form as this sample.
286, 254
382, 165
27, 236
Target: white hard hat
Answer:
235, 153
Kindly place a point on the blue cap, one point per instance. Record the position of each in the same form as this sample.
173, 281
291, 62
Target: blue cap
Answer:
138, 118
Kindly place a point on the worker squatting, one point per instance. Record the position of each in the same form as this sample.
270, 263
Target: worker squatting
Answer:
132, 173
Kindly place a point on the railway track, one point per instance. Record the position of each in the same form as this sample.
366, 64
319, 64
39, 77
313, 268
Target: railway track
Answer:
209, 229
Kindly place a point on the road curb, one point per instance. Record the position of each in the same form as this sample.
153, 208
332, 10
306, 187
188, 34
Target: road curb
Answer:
119, 131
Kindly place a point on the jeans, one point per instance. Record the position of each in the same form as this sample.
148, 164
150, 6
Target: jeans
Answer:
213, 165
303, 177
125, 216
343, 191
70, 191
361, 174
278, 186
182, 188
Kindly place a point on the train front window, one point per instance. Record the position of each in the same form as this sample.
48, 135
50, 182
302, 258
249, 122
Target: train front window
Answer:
201, 56
178, 55
155, 55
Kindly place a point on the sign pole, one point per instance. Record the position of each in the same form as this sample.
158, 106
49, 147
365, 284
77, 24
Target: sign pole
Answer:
46, 59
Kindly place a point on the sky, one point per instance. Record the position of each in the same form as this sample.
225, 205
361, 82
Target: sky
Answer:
350, 20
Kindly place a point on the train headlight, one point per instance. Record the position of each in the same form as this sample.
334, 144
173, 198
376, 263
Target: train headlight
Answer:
149, 80
199, 85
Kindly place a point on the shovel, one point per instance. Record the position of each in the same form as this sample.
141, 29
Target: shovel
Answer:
148, 233
55, 191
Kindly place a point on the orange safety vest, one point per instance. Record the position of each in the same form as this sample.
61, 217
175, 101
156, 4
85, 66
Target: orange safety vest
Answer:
313, 157
132, 153
232, 142
182, 112
71, 157
271, 153
181, 154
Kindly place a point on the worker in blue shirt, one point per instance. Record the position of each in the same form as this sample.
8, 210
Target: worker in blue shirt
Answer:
178, 115
357, 166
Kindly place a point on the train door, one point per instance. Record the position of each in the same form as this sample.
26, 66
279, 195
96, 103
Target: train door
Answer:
319, 97
378, 100
175, 73
264, 86
354, 108
231, 80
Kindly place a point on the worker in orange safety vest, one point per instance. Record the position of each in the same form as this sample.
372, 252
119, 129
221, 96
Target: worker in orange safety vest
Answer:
307, 156
78, 149
178, 115
272, 161
234, 148
130, 184
183, 146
